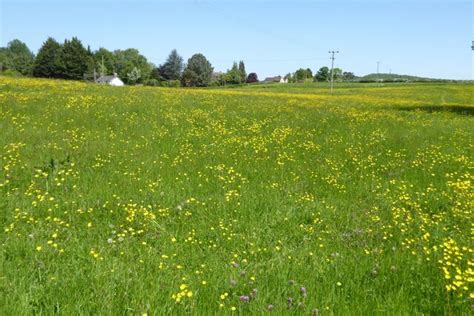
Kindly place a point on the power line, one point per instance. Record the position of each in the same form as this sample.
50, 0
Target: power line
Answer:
271, 60
255, 60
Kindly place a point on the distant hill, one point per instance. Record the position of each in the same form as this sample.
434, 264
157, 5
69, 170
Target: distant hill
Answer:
393, 77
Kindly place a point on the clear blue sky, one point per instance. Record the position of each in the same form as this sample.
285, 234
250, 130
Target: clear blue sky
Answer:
418, 37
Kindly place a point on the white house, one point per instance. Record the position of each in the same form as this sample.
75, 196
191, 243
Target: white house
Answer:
111, 80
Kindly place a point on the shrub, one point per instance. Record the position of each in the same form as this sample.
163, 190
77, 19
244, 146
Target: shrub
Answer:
151, 82
11, 73
170, 83
174, 83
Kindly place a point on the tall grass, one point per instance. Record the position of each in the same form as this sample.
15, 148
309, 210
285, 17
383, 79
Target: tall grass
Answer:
169, 201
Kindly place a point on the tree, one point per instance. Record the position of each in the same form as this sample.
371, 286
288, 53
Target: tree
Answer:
91, 67
198, 71
322, 74
104, 61
243, 73
252, 77
173, 67
290, 77
3, 58
17, 56
234, 75
337, 74
302, 74
134, 75
218, 79
189, 78
46, 62
156, 74
347, 76
126, 60
309, 73
74, 59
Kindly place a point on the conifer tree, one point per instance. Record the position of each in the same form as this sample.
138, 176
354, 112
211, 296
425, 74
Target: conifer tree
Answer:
243, 73
74, 59
46, 62
173, 67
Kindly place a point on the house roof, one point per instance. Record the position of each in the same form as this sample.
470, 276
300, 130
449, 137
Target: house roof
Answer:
105, 79
272, 79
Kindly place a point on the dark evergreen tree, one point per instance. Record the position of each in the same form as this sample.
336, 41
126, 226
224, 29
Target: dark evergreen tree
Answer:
91, 72
74, 59
173, 67
46, 62
198, 71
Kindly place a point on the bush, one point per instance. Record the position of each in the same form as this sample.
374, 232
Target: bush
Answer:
170, 84
151, 82
11, 73
174, 83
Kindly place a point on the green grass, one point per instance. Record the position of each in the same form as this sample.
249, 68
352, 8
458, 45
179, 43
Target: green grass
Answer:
112, 198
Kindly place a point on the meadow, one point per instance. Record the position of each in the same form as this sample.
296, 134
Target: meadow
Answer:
278, 199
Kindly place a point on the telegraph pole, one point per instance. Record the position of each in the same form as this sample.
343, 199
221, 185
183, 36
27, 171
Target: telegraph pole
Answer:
103, 67
332, 52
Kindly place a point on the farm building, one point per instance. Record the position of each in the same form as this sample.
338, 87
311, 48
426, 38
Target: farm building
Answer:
279, 79
113, 80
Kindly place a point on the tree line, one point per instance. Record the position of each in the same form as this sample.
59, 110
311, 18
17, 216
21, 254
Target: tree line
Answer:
323, 74
72, 60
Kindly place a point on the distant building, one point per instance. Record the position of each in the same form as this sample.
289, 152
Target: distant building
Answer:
279, 79
113, 80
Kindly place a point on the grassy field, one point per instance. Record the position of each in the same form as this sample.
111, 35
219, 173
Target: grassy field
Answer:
279, 198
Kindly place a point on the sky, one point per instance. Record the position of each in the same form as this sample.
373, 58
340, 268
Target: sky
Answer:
429, 38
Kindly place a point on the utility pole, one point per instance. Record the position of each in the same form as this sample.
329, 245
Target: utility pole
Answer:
332, 52
103, 67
